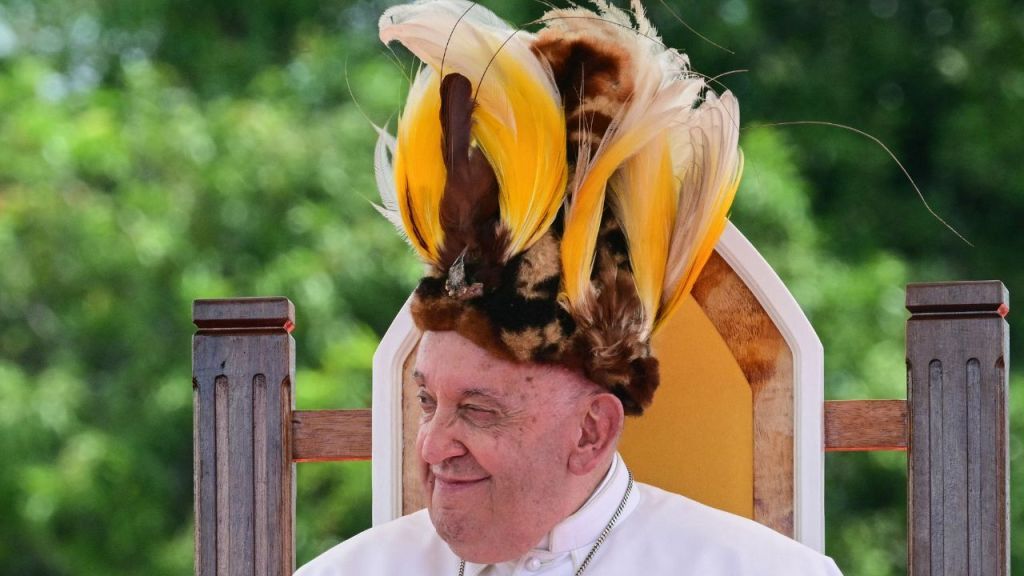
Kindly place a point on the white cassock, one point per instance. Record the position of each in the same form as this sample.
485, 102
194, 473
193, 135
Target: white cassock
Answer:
658, 533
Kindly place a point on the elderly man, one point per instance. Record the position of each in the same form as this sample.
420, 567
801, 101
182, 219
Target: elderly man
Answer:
521, 476
564, 190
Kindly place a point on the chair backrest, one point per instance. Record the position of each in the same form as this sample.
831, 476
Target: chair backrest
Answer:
742, 371
248, 435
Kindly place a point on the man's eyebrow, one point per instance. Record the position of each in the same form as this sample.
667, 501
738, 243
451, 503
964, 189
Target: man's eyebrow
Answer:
481, 393
421, 382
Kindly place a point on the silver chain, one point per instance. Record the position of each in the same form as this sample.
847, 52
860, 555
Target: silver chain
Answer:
600, 539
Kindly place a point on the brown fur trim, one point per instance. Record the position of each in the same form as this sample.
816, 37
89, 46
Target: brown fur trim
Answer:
625, 369
435, 313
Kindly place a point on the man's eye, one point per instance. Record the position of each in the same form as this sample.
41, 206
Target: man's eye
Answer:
427, 403
479, 415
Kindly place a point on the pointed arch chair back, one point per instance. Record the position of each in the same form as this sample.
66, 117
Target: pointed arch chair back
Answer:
741, 372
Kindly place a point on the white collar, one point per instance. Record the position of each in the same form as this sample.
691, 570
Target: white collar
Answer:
580, 530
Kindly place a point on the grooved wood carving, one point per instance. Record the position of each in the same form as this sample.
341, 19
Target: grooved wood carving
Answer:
242, 373
958, 475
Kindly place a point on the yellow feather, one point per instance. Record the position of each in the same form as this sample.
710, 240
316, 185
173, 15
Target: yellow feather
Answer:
710, 230
663, 91
521, 129
584, 215
644, 195
419, 166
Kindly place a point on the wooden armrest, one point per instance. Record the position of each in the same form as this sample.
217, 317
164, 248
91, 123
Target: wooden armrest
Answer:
330, 435
864, 425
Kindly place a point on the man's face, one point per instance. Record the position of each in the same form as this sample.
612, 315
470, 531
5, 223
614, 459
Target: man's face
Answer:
493, 443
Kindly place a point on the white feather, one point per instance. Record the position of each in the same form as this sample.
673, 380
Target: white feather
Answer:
707, 160
465, 36
384, 170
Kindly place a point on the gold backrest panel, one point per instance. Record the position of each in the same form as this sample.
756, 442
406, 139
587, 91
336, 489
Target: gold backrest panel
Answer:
696, 439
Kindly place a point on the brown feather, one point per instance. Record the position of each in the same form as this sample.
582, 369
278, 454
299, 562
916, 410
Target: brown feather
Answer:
614, 322
469, 206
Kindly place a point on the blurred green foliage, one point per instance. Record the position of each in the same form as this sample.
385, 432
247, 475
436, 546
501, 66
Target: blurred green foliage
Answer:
153, 153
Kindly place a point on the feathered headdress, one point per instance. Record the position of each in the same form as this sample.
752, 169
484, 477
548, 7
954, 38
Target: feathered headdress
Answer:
565, 188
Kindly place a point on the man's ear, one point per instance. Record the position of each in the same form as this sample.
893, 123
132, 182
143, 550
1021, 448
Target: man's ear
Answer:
600, 427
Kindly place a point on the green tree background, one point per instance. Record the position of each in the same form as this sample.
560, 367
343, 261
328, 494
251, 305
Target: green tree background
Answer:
156, 152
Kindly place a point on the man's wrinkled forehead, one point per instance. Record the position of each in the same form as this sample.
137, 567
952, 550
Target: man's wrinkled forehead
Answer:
450, 353
448, 361
475, 387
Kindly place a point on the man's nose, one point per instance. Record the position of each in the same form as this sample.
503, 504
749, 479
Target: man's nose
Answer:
439, 440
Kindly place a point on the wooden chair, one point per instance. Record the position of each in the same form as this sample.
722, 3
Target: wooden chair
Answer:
740, 342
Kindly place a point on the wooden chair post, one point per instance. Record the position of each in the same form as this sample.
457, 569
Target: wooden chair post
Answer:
243, 368
958, 465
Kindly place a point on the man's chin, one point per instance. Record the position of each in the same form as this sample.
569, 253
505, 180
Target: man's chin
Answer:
479, 545
482, 553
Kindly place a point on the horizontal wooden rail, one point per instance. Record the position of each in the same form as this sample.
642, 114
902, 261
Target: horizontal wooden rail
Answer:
850, 425
330, 435
865, 425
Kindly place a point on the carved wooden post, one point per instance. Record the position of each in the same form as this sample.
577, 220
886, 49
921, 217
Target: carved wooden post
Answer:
958, 466
243, 367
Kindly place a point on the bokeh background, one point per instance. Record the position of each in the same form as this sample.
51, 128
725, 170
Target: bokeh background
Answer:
157, 151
